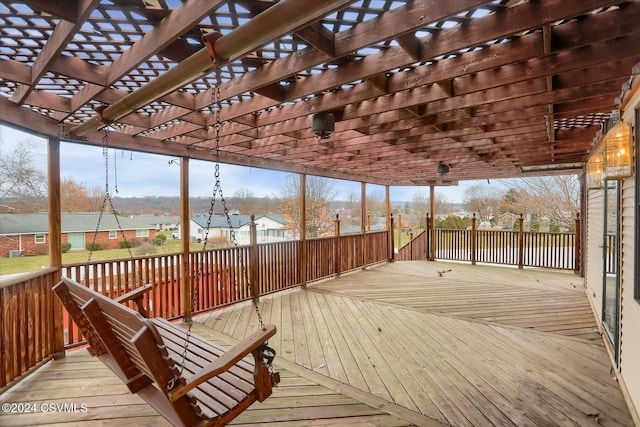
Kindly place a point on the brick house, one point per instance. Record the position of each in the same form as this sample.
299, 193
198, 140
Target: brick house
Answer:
27, 234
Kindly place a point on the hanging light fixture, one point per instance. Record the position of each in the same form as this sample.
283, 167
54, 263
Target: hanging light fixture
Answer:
322, 124
595, 175
442, 169
618, 155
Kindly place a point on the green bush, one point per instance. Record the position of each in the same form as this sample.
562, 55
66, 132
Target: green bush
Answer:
159, 240
94, 246
66, 246
124, 244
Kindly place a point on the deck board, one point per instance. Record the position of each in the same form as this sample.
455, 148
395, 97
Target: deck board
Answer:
478, 346
393, 345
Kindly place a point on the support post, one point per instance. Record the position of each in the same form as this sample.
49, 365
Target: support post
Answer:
577, 246
521, 242
363, 224
254, 275
302, 230
432, 229
55, 238
474, 237
390, 232
185, 239
336, 251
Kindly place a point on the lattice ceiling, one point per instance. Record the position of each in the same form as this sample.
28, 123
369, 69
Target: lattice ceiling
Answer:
485, 86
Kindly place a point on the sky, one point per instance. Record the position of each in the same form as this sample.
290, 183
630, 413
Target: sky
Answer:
137, 174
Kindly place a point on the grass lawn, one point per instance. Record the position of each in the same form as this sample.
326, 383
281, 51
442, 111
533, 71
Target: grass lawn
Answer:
26, 264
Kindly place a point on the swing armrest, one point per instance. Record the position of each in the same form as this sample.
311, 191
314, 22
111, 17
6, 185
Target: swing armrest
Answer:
136, 296
225, 361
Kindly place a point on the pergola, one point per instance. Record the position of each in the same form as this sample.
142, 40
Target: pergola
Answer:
494, 89
422, 92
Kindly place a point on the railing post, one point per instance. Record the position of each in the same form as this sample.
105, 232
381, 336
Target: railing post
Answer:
474, 236
427, 229
391, 233
521, 242
411, 245
577, 246
399, 231
338, 261
253, 260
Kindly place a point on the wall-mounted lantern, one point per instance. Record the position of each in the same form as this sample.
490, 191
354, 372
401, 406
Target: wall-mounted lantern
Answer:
618, 152
595, 171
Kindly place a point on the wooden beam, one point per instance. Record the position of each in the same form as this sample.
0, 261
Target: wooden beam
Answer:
64, 32
64, 10
185, 238
411, 44
319, 37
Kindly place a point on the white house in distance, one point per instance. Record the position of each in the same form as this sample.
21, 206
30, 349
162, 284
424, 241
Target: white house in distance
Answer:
270, 228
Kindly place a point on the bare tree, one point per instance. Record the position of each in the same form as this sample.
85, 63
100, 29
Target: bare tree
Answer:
421, 205
555, 197
96, 196
245, 201
319, 193
73, 197
483, 200
22, 185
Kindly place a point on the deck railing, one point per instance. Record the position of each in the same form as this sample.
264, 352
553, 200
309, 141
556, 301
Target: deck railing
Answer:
521, 248
31, 329
223, 276
35, 326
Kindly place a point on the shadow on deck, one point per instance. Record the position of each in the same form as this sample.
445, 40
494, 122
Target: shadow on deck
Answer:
405, 343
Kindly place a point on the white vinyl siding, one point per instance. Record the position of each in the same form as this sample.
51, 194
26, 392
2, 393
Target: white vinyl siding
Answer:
593, 260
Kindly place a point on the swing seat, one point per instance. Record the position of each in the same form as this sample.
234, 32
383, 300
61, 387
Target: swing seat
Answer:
146, 354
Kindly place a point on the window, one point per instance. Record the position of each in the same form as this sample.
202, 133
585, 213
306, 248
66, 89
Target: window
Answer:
142, 233
113, 234
40, 239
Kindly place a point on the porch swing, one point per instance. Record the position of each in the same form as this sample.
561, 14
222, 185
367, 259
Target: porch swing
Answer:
187, 379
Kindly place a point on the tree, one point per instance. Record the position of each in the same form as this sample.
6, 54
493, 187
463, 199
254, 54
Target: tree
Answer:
554, 197
22, 184
483, 200
74, 197
453, 222
421, 205
319, 193
245, 201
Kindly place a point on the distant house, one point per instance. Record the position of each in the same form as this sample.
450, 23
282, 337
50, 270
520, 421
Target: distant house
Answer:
270, 228
27, 234
163, 222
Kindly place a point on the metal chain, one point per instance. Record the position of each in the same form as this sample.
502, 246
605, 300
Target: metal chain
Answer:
107, 198
216, 102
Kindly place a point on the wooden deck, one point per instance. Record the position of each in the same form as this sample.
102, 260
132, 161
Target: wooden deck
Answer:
406, 343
